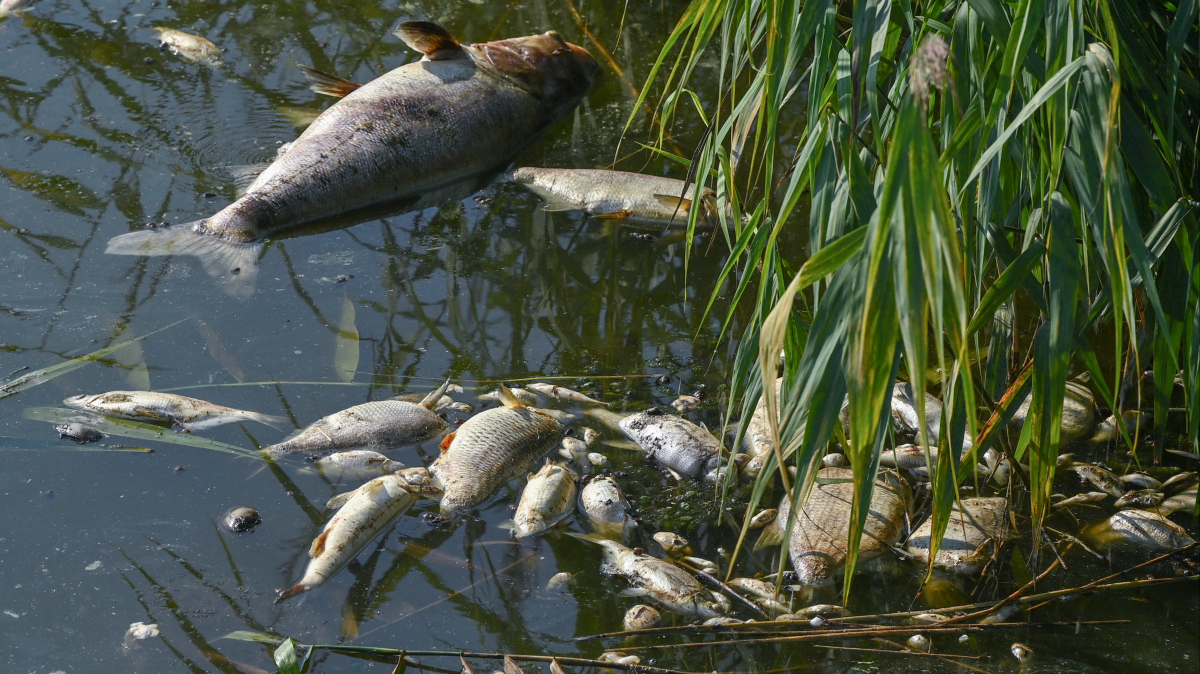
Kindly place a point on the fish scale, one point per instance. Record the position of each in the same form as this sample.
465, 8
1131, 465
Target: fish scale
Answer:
378, 426
490, 449
972, 532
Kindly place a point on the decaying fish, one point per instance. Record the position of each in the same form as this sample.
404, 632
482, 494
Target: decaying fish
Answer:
641, 617
631, 197
443, 403
758, 440
78, 432
190, 413
366, 512
606, 509
1100, 478
1141, 528
762, 592
522, 396
189, 47
1140, 498
972, 534
490, 449
666, 584
685, 403
548, 497
462, 110
674, 544
1078, 415
1184, 501
763, 518
675, 443
1107, 429
357, 463
9, 6
1140, 481
821, 532
378, 426
907, 456
1082, 499
563, 393
1179, 482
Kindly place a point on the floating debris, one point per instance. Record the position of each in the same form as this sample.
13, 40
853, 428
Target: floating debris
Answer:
241, 520
140, 632
189, 47
81, 433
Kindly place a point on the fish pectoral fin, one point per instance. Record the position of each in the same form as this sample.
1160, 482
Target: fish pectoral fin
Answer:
633, 592
318, 545
234, 266
445, 446
615, 215
324, 83
674, 203
430, 39
340, 500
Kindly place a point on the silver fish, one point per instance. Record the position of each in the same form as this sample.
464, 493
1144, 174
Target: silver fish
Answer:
359, 463
366, 512
379, 425
1107, 429
443, 403
758, 440
190, 413
7, 6
605, 508
674, 544
490, 449
822, 528
1140, 498
630, 197
1179, 482
574, 449
1100, 478
1143, 529
548, 497
1082, 499
1078, 415
666, 584
763, 518
674, 442
1184, 501
597, 459
906, 456
563, 393
189, 47
641, 617
461, 110
974, 530
522, 396
1140, 481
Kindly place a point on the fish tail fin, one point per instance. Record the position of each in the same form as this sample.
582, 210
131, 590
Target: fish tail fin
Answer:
508, 398
233, 265
284, 595
430, 401
278, 423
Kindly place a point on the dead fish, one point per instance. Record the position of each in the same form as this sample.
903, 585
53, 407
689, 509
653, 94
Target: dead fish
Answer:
443, 403
1107, 430
366, 511
919, 643
9, 6
1100, 478
1140, 498
190, 413
574, 449
1082, 499
1184, 501
763, 593
763, 518
1078, 415
189, 47
522, 396
1141, 481
685, 403
927, 619
548, 497
906, 456
814, 611
241, 520
834, 460
360, 463
976, 526
758, 440
460, 111
563, 393
1022, 653
78, 432
606, 509
631, 197
674, 544
1148, 530
378, 425
674, 442
666, 584
597, 459
641, 617
706, 565
619, 658
820, 534
490, 449
589, 435
559, 581
1179, 482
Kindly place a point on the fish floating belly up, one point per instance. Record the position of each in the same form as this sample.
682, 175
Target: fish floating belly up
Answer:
460, 111
190, 413
632, 197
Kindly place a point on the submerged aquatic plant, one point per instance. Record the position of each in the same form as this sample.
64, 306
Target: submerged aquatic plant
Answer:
976, 172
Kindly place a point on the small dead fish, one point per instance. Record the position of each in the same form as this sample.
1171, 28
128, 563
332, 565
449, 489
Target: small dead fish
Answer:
189, 47
241, 520
78, 432
1141, 481
758, 440
673, 543
523, 396
1078, 414
1107, 430
574, 449
927, 619
1140, 498
443, 403
919, 643
814, 611
706, 565
597, 459
563, 393
190, 413
378, 425
1022, 653
641, 617
661, 581
619, 658
366, 512
631, 197
763, 518
548, 497
834, 460
760, 589
1184, 501
361, 463
1082, 499
490, 449
7, 6
721, 620
1178, 482
974, 529
685, 403
906, 456
589, 435
559, 581
605, 508
1148, 530
675, 443
1100, 478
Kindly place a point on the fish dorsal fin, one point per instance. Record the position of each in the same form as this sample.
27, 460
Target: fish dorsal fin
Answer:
324, 83
674, 203
430, 401
507, 398
430, 39
340, 500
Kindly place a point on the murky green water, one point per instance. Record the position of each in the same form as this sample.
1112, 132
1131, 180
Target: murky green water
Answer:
101, 133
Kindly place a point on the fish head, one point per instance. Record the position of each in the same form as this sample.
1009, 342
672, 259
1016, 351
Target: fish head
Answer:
712, 604
80, 401
546, 65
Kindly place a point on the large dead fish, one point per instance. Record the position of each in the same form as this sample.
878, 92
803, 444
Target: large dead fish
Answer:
905, 423
606, 509
1078, 415
674, 442
378, 426
631, 197
461, 110
822, 529
490, 449
1140, 528
972, 534
190, 413
364, 514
